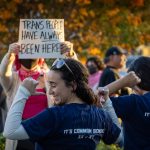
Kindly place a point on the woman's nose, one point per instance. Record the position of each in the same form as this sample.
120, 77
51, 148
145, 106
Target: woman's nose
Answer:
50, 92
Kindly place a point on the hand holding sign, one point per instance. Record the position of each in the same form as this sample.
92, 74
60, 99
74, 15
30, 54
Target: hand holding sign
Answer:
66, 48
14, 48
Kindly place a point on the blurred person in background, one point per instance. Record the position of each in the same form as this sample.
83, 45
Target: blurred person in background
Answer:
115, 59
95, 67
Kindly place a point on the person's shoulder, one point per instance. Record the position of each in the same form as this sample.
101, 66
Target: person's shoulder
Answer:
100, 111
108, 74
108, 70
58, 109
135, 98
147, 95
54, 108
54, 111
145, 98
139, 97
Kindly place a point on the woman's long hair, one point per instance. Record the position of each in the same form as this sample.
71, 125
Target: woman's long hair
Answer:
80, 77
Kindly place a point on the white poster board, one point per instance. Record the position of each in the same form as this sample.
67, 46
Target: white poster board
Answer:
40, 38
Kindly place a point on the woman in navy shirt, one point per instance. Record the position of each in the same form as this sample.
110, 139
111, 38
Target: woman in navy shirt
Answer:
75, 122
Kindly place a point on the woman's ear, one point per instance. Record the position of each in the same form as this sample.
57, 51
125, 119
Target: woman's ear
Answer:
74, 86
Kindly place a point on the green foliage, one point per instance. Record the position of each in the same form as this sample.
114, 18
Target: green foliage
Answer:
103, 146
2, 142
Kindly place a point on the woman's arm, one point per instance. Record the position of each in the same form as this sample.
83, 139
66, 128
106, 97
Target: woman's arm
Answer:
13, 128
130, 80
110, 110
67, 50
6, 74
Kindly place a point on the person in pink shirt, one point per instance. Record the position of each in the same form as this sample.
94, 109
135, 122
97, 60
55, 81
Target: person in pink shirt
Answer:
95, 67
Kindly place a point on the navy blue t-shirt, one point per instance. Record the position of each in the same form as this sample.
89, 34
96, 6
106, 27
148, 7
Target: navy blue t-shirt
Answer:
108, 76
71, 127
134, 110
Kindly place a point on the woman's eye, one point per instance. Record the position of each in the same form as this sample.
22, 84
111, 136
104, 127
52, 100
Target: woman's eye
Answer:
53, 85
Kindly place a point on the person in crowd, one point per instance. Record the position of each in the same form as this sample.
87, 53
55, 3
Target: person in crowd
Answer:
115, 59
12, 72
75, 122
134, 109
95, 67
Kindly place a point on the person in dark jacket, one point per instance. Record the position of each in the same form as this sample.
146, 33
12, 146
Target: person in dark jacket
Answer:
115, 59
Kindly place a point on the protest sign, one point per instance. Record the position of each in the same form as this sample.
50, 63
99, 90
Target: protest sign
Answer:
40, 38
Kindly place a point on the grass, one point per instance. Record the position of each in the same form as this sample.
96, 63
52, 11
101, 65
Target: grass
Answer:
100, 146
2, 142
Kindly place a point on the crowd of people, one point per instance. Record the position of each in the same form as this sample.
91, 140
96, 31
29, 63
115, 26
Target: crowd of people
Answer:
74, 106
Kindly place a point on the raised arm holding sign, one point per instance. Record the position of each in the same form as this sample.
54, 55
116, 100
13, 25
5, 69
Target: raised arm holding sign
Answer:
14, 70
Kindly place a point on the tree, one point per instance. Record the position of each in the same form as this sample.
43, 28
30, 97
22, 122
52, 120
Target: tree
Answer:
92, 26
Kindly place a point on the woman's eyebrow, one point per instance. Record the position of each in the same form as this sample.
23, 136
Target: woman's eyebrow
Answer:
51, 82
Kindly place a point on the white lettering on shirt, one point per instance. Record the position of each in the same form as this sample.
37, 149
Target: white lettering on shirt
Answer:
147, 114
82, 131
68, 131
85, 133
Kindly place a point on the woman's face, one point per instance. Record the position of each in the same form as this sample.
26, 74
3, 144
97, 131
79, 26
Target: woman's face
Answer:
58, 91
